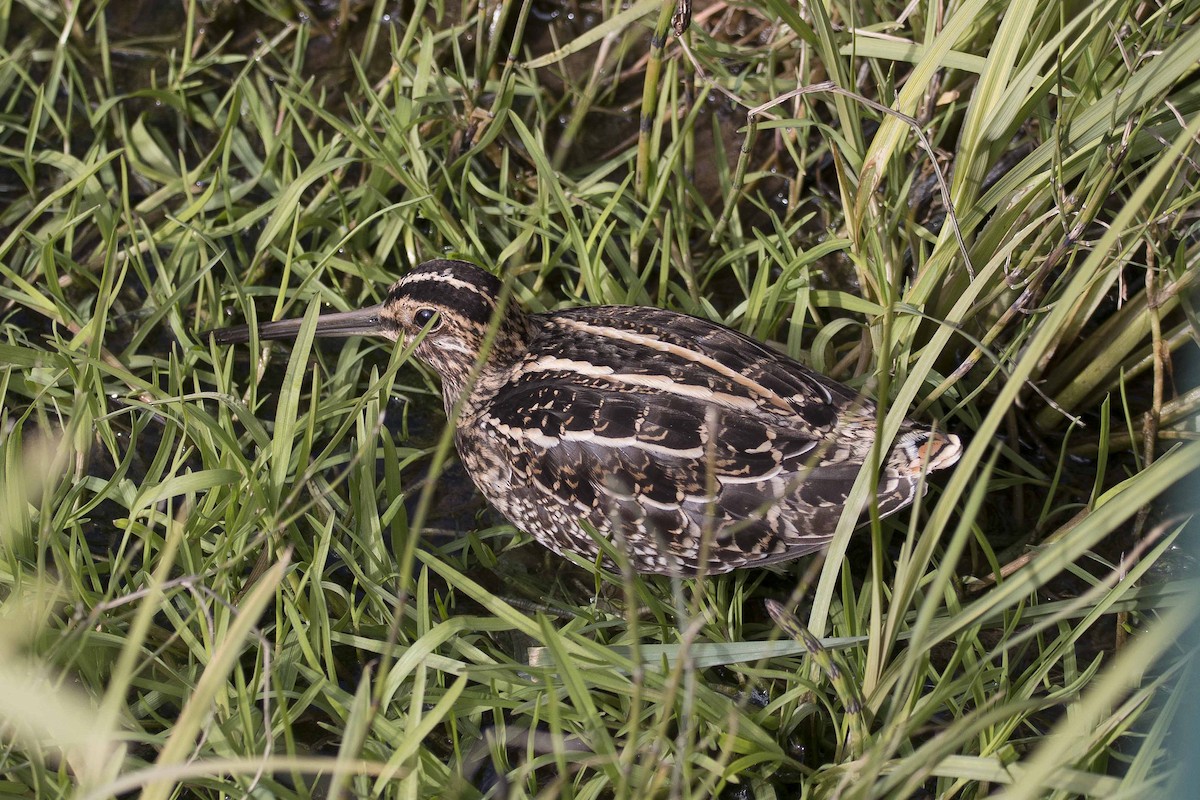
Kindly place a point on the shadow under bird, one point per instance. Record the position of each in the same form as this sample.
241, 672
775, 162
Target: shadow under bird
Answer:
691, 447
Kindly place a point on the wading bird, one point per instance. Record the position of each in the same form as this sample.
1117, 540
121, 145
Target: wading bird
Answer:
691, 447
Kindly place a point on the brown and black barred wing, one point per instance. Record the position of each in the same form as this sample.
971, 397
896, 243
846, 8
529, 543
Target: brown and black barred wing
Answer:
696, 355
684, 484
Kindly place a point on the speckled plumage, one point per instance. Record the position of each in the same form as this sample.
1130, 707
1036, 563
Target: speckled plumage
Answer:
694, 448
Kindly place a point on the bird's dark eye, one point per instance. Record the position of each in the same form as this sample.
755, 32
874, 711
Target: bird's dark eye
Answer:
423, 316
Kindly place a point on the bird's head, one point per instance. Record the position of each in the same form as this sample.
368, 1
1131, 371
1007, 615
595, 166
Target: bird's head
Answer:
452, 306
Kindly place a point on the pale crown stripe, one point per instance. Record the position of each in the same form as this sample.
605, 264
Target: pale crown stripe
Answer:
448, 280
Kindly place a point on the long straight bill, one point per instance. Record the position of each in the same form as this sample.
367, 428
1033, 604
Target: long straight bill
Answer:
363, 322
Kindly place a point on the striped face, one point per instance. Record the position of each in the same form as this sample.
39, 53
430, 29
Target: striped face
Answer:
455, 304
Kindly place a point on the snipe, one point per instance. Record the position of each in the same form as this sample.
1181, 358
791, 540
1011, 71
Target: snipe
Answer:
692, 447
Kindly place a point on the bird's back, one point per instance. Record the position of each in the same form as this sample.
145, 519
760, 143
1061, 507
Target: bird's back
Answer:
693, 443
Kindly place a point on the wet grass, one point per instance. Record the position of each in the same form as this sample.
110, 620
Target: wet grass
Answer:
224, 570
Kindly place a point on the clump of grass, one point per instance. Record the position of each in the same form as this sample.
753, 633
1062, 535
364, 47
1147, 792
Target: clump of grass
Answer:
225, 573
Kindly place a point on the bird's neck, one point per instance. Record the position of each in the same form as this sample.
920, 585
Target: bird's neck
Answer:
464, 372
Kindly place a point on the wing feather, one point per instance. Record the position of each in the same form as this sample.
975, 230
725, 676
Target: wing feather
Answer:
660, 434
